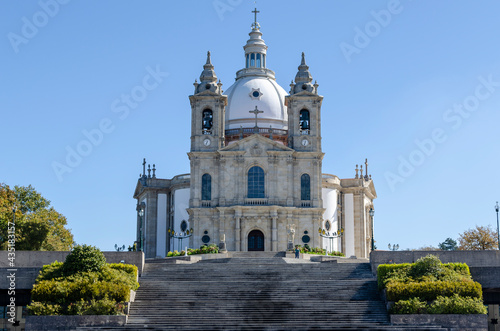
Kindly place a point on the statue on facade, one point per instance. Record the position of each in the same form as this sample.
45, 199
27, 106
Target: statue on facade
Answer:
290, 229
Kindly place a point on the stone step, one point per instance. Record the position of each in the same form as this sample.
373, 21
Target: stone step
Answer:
257, 291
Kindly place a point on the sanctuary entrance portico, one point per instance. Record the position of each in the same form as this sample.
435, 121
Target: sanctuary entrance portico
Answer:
255, 241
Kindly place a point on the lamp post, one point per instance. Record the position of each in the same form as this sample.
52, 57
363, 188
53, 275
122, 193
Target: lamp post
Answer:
394, 247
141, 209
372, 213
180, 236
336, 234
497, 208
119, 249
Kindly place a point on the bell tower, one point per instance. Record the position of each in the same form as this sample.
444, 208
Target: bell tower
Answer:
207, 111
304, 112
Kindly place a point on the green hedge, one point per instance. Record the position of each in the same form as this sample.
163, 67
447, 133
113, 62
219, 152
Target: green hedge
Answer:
64, 292
386, 271
410, 306
429, 291
457, 305
442, 305
100, 292
402, 273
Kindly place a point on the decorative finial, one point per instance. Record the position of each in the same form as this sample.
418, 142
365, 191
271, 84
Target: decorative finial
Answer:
209, 61
154, 171
303, 61
366, 167
144, 167
149, 170
361, 171
356, 172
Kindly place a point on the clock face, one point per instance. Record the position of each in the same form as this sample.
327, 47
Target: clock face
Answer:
305, 142
206, 142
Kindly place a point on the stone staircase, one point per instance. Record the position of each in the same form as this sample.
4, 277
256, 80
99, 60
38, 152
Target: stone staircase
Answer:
258, 292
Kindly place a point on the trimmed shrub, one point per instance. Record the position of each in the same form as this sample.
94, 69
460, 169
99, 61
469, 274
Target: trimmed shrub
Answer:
64, 292
129, 270
429, 291
41, 308
210, 249
99, 292
410, 306
457, 305
51, 271
96, 307
428, 266
83, 258
387, 271
451, 272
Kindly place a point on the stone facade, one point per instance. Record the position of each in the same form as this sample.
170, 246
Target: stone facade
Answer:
255, 171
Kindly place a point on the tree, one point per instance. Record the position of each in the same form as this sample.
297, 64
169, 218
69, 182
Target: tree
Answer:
448, 245
38, 226
480, 238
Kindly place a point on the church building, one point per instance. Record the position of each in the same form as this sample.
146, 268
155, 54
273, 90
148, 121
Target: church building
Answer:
256, 180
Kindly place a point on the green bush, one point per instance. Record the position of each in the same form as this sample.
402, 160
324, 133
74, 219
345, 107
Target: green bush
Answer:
96, 307
428, 266
210, 249
457, 305
41, 308
429, 291
64, 292
425, 271
51, 271
410, 306
316, 250
387, 271
83, 258
129, 269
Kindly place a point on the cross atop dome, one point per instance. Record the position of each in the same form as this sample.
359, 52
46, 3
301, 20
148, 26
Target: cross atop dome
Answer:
255, 25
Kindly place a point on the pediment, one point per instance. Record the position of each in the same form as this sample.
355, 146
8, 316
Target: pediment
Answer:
139, 188
255, 145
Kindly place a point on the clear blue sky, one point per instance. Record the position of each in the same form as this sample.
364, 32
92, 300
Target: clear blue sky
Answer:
414, 86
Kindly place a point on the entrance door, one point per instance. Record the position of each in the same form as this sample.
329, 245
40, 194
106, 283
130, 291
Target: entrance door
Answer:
255, 241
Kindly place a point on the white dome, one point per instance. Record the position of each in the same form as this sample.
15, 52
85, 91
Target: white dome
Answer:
253, 91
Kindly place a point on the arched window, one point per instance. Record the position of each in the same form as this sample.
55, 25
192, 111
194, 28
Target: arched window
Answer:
305, 187
206, 187
252, 60
207, 122
258, 61
256, 182
304, 121
247, 61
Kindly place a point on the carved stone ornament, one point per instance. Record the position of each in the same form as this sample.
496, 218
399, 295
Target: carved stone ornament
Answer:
256, 150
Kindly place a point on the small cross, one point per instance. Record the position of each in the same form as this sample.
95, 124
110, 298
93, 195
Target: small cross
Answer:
256, 112
255, 25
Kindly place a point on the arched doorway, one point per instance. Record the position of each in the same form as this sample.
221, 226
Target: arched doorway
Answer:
255, 241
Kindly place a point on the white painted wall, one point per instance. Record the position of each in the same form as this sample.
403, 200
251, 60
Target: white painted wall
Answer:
330, 197
161, 226
181, 203
349, 224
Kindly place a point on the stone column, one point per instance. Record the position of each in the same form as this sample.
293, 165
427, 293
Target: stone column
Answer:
274, 234
237, 233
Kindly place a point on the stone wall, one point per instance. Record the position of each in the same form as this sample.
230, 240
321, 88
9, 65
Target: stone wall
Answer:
450, 321
52, 323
